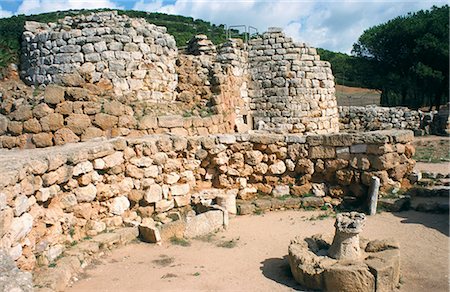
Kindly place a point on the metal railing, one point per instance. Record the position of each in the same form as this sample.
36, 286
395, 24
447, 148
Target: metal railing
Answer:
248, 31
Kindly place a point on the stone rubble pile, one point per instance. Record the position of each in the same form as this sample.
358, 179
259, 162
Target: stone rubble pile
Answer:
200, 45
130, 55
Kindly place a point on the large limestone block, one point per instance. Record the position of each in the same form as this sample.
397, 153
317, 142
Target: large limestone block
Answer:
173, 121
348, 277
204, 223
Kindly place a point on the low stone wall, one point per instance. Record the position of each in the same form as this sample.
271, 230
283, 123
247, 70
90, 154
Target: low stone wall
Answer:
52, 197
68, 115
372, 118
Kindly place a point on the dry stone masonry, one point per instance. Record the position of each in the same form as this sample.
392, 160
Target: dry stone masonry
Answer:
291, 88
130, 55
53, 196
279, 84
130, 134
372, 118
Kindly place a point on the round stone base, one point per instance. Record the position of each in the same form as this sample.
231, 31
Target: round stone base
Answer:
378, 269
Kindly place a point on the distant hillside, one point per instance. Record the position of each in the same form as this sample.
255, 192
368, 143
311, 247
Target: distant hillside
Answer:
181, 27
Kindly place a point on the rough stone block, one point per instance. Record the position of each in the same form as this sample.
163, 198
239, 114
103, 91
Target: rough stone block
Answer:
204, 223
322, 152
173, 121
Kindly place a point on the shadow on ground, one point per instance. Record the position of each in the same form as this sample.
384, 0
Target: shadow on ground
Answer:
439, 222
278, 270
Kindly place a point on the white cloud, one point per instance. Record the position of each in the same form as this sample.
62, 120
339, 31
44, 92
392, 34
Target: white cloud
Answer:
333, 25
40, 6
148, 5
4, 13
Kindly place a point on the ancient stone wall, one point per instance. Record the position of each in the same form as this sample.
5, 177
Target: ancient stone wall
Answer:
52, 197
63, 115
291, 88
372, 118
130, 55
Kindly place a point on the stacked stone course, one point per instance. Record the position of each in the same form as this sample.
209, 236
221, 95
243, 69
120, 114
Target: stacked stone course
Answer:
372, 118
130, 55
69, 115
291, 88
53, 196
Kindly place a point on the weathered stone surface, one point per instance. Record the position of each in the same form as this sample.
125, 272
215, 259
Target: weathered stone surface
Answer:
11, 278
52, 122
86, 194
173, 121
280, 190
355, 277
204, 223
153, 194
78, 123
54, 94
43, 139
119, 205
149, 233
64, 136
277, 168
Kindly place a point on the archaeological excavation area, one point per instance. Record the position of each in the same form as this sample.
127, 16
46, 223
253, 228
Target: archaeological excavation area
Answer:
114, 136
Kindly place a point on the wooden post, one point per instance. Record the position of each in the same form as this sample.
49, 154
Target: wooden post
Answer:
373, 195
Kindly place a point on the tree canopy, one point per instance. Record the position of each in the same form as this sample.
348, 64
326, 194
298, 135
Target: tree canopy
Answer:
410, 58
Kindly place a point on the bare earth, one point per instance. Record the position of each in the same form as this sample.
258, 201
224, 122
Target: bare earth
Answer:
257, 262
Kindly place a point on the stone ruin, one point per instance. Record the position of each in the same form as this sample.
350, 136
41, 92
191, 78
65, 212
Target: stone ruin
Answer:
271, 83
108, 49
161, 142
348, 263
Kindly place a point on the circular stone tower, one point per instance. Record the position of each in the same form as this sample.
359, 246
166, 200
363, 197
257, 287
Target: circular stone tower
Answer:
291, 89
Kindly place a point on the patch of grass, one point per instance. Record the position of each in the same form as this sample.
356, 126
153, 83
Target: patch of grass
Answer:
196, 274
320, 217
72, 231
432, 151
169, 275
52, 265
228, 243
258, 212
284, 197
187, 114
163, 261
87, 238
308, 195
210, 237
179, 241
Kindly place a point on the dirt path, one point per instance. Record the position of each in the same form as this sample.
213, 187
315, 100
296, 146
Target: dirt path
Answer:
257, 261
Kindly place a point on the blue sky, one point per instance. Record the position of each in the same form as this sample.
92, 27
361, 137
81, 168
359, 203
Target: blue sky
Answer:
330, 24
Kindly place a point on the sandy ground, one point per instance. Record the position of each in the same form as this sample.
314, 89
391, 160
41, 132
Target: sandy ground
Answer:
443, 168
258, 263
